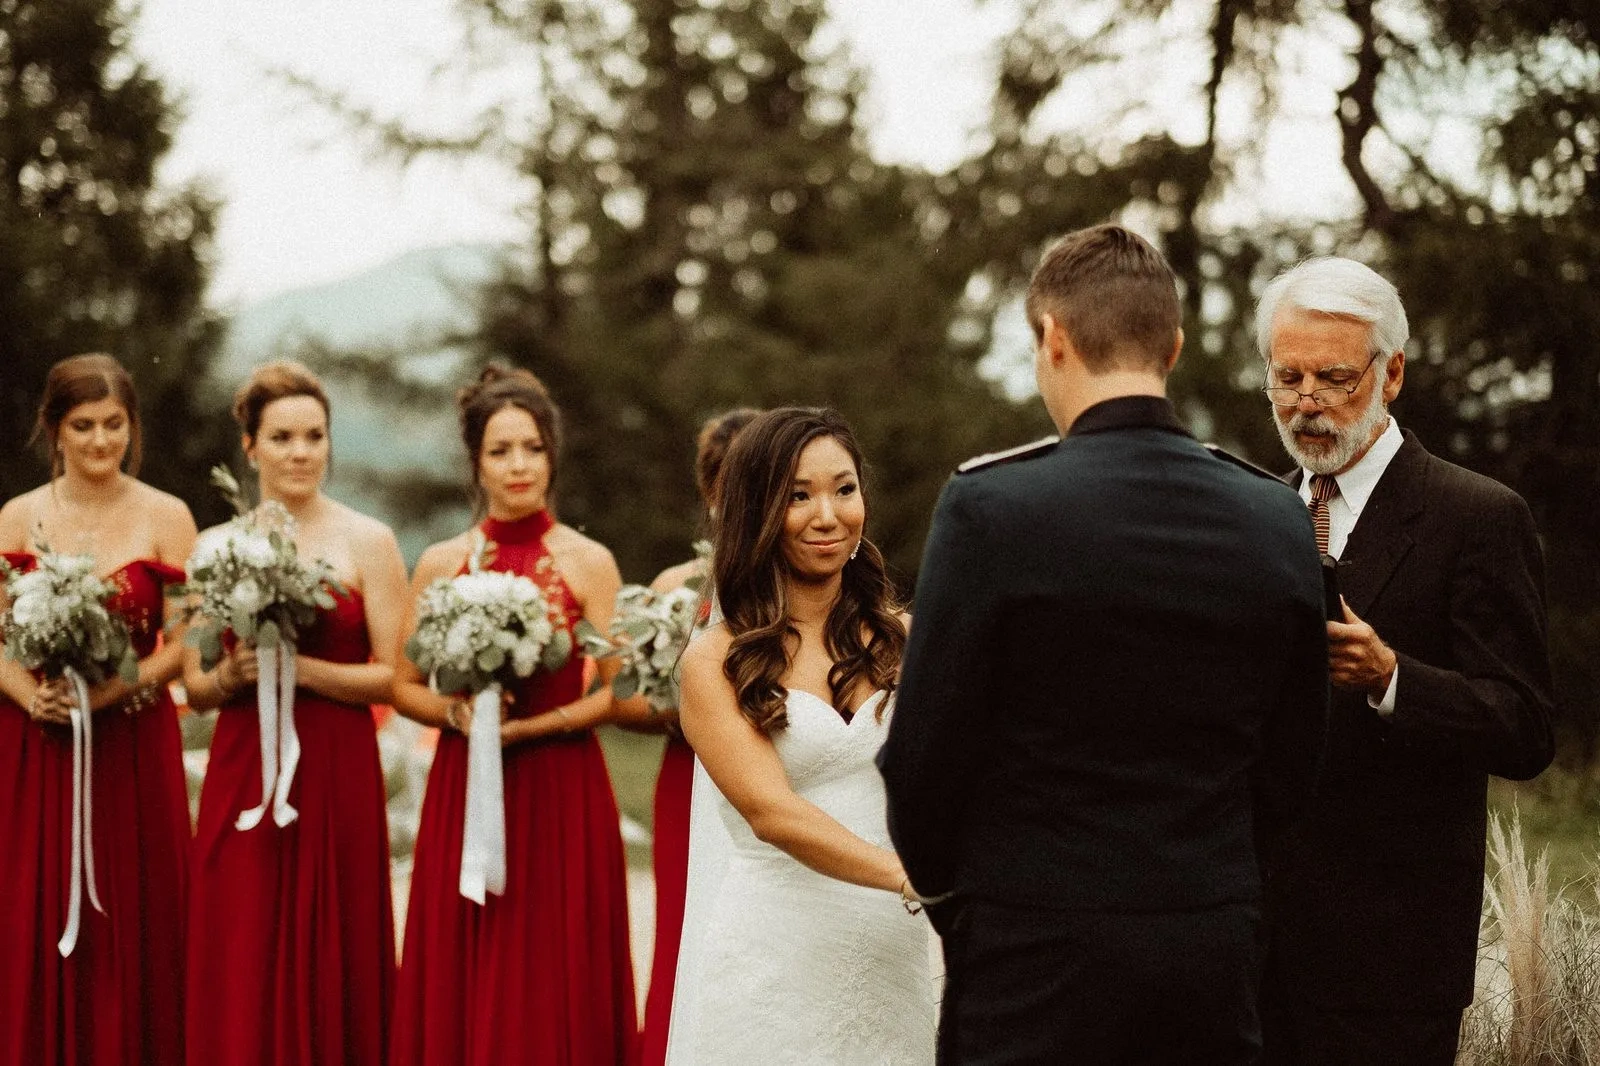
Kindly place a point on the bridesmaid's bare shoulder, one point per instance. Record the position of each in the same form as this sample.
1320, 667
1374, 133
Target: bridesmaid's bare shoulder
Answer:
171, 522
17, 517
442, 559
580, 556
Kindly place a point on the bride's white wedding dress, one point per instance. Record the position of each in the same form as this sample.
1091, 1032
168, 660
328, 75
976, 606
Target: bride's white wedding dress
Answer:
780, 964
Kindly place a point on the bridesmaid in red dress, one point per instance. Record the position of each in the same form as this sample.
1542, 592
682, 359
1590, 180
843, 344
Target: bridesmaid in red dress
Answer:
673, 785
117, 998
291, 927
540, 973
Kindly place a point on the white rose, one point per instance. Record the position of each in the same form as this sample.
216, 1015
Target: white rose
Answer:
479, 589
34, 581
248, 596
30, 607
256, 551
458, 641
525, 657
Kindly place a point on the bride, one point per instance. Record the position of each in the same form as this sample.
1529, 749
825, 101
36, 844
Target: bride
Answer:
797, 946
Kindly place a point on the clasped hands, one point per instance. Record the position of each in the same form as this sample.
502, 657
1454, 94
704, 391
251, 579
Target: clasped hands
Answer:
1358, 659
458, 716
53, 701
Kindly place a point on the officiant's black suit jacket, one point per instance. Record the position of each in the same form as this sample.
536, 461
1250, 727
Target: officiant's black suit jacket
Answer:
1116, 678
1375, 903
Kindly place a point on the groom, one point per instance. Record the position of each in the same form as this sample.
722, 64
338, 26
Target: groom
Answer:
1114, 700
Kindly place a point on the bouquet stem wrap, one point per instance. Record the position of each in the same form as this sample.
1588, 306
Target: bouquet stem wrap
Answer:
483, 836
82, 813
280, 742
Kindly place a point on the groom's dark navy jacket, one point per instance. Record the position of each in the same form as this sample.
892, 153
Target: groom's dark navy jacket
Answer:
1115, 691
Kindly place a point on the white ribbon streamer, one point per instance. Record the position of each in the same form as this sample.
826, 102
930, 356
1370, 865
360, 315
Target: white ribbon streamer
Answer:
280, 741
82, 814
483, 836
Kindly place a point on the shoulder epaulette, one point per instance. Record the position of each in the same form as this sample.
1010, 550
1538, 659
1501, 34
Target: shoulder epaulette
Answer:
1242, 464
1010, 455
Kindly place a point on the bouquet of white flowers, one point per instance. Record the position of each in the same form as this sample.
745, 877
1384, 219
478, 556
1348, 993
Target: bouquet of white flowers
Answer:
484, 628
479, 632
247, 577
57, 622
651, 630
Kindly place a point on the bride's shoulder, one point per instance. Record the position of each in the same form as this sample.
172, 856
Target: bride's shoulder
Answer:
708, 648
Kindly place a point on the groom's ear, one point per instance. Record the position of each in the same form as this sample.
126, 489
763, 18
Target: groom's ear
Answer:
1053, 340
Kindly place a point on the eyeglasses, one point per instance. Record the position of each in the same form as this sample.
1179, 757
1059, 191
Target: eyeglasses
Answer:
1327, 396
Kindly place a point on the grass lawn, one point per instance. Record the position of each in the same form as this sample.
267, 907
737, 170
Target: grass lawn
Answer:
633, 759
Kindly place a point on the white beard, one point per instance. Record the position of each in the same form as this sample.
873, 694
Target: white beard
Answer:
1339, 447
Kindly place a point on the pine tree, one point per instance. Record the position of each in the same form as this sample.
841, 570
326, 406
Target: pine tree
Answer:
92, 256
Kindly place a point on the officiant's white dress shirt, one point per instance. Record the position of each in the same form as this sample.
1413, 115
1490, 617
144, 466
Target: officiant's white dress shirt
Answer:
1355, 489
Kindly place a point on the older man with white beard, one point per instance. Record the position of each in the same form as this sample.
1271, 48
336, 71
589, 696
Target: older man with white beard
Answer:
1440, 677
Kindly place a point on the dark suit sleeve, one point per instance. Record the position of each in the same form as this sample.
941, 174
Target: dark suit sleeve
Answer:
1294, 738
937, 735
1497, 701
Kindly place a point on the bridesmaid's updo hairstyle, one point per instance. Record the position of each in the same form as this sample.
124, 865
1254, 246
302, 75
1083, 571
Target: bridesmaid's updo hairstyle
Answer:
498, 387
86, 379
274, 381
863, 634
711, 447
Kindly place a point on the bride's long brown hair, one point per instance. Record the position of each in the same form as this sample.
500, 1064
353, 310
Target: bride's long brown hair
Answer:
863, 634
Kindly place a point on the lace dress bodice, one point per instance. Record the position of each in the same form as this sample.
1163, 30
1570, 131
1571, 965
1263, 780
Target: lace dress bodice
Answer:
794, 966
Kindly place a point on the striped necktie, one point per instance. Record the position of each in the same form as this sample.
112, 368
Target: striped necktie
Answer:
1323, 489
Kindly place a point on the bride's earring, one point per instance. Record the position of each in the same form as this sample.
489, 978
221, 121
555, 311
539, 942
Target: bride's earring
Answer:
854, 551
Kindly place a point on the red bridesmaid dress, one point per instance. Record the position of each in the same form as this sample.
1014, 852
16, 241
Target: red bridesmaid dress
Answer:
117, 1000
541, 974
671, 856
291, 930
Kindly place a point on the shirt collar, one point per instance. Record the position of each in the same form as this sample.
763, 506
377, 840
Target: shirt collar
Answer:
1357, 483
1128, 412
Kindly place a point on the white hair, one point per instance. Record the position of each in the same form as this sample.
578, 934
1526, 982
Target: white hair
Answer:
1330, 285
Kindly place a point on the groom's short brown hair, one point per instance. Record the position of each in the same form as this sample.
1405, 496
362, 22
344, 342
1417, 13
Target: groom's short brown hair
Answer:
1113, 293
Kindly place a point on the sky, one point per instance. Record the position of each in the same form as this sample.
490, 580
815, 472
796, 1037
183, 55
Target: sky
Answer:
305, 203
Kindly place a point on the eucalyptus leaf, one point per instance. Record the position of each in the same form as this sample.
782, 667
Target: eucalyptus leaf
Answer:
558, 651
626, 684
128, 668
491, 659
268, 634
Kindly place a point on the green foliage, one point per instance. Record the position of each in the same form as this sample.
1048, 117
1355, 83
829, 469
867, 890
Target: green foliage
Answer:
92, 256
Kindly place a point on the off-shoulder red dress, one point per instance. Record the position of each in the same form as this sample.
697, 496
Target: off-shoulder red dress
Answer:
540, 974
291, 930
117, 1000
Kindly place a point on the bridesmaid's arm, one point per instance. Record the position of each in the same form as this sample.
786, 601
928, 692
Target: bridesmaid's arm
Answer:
383, 594
175, 537
16, 684
746, 768
412, 696
596, 581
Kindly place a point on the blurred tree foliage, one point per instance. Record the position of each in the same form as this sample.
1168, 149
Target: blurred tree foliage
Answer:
1496, 258
707, 228
92, 257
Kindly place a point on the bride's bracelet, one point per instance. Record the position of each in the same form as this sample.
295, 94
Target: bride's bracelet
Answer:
913, 903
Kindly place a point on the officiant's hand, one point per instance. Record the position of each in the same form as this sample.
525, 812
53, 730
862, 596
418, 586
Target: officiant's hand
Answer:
1357, 657
52, 703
